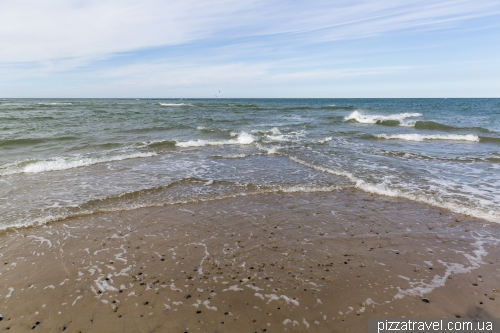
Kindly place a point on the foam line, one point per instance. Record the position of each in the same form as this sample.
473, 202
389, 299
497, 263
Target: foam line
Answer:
420, 137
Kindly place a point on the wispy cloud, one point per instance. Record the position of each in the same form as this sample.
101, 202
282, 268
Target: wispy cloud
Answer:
189, 43
56, 29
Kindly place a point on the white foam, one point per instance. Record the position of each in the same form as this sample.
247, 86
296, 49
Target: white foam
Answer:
54, 103
42, 240
420, 137
242, 138
174, 288
275, 135
273, 150
233, 156
421, 287
206, 303
274, 297
325, 140
254, 287
77, 298
259, 296
233, 288
175, 104
275, 131
382, 189
200, 270
61, 163
11, 290
372, 119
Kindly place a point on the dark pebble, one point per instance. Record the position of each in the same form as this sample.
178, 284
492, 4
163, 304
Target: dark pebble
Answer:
198, 311
426, 300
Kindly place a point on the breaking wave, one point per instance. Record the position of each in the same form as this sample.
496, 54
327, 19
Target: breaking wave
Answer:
242, 138
420, 137
390, 120
61, 163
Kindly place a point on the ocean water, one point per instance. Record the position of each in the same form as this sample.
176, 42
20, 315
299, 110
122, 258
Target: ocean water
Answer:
67, 157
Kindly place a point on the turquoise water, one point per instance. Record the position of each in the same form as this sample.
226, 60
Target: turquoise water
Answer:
65, 157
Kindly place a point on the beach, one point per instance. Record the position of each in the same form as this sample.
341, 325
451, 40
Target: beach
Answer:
278, 262
246, 215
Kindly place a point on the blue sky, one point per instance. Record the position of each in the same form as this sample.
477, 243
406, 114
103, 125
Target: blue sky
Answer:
249, 48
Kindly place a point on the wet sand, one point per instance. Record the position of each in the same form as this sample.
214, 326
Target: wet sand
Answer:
319, 262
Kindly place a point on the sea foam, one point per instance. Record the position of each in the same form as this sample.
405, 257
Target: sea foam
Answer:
242, 138
375, 118
61, 163
58, 103
383, 189
175, 104
420, 137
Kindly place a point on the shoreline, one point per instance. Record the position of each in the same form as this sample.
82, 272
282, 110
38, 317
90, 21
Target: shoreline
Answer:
323, 261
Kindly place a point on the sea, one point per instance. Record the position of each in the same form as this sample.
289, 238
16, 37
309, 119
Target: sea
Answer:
61, 158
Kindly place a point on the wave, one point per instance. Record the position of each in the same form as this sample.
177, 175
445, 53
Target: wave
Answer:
275, 135
390, 120
58, 103
312, 107
382, 189
489, 139
325, 140
158, 144
33, 141
242, 138
338, 107
240, 105
235, 156
432, 125
464, 159
420, 137
60, 163
128, 200
175, 104
296, 108
214, 130
27, 118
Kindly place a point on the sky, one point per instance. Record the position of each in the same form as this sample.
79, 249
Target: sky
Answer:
249, 48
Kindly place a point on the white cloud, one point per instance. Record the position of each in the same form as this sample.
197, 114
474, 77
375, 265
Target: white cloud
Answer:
59, 29
54, 29
244, 47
